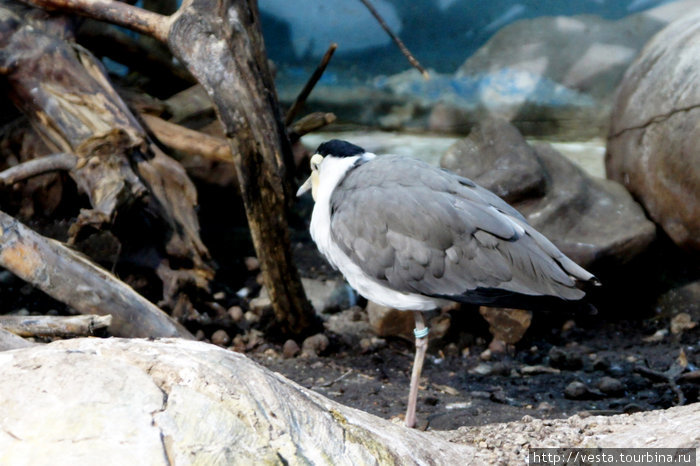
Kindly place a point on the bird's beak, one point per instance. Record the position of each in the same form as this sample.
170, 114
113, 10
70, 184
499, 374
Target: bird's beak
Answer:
304, 188
312, 182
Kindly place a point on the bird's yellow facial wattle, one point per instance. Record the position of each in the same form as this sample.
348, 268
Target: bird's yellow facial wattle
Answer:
313, 180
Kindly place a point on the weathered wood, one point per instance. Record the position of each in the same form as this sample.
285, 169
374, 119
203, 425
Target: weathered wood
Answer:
309, 123
71, 278
187, 140
221, 44
10, 341
66, 94
35, 167
54, 326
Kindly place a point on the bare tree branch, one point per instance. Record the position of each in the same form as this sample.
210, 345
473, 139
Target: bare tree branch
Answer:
54, 326
309, 86
122, 14
39, 166
409, 56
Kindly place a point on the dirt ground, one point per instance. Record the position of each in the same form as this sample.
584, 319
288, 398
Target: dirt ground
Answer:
459, 390
621, 366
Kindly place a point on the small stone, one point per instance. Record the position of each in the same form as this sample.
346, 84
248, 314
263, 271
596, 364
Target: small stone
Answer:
682, 322
656, 337
236, 313
199, 335
314, 345
251, 317
290, 349
534, 370
220, 338
485, 355
251, 263
238, 344
388, 322
270, 353
563, 359
466, 351
611, 386
576, 390
219, 295
568, 325
481, 369
369, 345
497, 346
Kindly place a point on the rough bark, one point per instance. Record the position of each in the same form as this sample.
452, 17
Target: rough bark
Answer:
221, 44
72, 279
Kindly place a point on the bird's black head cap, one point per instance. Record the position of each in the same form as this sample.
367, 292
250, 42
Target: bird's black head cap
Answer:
339, 148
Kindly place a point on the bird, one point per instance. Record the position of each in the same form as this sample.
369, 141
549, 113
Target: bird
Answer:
414, 237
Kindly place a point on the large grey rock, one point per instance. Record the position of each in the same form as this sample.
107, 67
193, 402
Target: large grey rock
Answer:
175, 402
589, 219
654, 143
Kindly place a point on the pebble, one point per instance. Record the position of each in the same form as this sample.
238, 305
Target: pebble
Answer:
481, 369
567, 360
314, 345
236, 313
534, 370
219, 295
576, 390
290, 349
485, 355
251, 263
251, 317
220, 338
370, 345
611, 386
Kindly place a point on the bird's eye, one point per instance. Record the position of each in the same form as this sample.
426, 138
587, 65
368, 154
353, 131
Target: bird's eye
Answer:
316, 161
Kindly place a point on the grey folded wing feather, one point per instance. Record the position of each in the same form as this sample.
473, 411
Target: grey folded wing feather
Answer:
422, 230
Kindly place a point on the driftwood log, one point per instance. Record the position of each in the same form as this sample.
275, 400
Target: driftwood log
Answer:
220, 43
71, 278
54, 326
66, 95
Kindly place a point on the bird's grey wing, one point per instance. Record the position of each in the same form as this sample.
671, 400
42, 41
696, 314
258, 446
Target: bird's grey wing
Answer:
421, 230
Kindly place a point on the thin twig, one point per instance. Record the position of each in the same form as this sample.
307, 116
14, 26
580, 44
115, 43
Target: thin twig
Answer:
38, 166
337, 379
304, 94
670, 377
409, 56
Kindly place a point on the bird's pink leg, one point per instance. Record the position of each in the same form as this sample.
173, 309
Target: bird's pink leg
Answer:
421, 333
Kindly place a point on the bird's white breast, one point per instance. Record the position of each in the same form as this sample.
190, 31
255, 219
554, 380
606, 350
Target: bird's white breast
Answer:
332, 172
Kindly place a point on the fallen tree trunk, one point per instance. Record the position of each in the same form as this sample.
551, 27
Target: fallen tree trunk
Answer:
54, 326
71, 278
